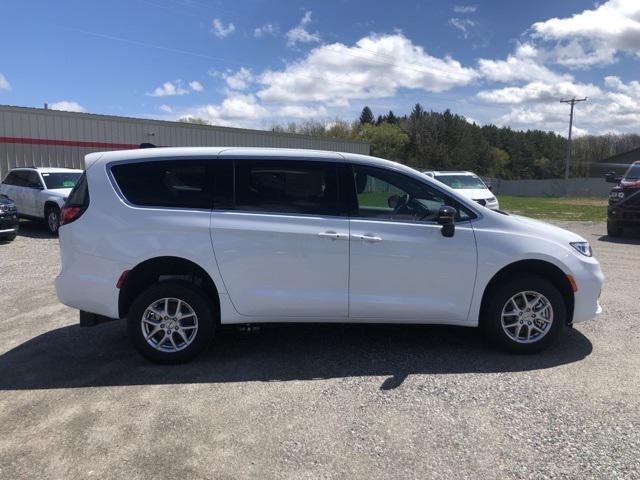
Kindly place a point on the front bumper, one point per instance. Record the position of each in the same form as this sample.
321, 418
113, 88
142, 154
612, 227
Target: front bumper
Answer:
9, 224
587, 299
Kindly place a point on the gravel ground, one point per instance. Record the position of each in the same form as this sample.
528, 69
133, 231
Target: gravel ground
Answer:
315, 401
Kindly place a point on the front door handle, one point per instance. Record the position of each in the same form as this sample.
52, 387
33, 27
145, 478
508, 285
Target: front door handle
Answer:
368, 238
333, 235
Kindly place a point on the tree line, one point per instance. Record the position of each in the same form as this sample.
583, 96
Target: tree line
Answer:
429, 140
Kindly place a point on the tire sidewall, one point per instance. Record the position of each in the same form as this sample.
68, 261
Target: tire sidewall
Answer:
56, 211
176, 289
491, 321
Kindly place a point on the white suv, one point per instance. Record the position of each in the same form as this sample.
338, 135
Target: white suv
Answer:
468, 184
181, 240
39, 193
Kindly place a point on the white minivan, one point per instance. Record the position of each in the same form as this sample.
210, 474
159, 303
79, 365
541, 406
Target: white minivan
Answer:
181, 240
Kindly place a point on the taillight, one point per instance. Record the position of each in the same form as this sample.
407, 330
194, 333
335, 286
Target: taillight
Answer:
70, 213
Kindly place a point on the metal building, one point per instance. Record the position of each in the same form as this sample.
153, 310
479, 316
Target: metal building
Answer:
41, 137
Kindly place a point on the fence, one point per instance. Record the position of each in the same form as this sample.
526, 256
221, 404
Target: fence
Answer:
554, 187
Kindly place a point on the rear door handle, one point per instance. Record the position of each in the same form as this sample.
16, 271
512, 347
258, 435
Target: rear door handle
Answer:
333, 235
368, 238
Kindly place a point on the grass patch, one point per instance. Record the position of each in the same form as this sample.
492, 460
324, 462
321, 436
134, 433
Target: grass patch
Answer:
560, 208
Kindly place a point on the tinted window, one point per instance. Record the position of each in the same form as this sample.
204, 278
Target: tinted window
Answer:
287, 186
11, 179
79, 196
61, 179
383, 194
33, 179
19, 178
167, 183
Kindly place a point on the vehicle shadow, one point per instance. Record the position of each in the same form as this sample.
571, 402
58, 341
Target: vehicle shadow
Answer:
72, 357
629, 238
33, 229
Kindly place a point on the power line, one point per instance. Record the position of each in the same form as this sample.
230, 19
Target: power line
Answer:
571, 102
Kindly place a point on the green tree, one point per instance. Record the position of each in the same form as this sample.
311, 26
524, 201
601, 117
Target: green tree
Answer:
387, 141
366, 117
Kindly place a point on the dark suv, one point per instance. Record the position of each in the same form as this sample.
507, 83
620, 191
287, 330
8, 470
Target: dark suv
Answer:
624, 201
8, 219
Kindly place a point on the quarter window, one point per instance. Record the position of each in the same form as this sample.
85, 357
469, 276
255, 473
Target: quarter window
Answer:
294, 186
167, 183
383, 194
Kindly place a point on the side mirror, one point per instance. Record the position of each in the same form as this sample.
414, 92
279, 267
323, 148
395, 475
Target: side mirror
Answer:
611, 177
447, 218
490, 187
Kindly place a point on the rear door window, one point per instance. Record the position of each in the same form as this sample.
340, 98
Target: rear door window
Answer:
172, 183
287, 186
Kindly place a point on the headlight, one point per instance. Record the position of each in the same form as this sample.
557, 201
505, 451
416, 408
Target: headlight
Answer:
5, 207
583, 247
616, 195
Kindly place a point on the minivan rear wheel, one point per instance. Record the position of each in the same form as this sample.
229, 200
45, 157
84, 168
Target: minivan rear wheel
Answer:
171, 322
525, 314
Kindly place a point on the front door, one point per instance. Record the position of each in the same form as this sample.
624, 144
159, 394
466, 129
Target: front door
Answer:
402, 268
283, 251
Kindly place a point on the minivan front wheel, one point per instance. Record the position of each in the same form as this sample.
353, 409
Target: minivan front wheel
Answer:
171, 322
525, 315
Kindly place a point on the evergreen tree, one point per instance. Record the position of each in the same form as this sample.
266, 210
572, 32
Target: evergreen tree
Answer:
366, 117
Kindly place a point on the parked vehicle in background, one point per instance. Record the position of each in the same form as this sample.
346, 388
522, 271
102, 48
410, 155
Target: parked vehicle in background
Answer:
624, 201
468, 184
180, 240
8, 219
40, 192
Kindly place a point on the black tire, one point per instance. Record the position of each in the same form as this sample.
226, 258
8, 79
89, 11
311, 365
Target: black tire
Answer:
613, 230
194, 298
8, 238
491, 321
52, 219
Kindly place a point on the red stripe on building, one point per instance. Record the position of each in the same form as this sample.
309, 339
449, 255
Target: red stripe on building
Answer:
68, 143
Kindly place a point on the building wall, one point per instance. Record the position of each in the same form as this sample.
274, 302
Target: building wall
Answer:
33, 136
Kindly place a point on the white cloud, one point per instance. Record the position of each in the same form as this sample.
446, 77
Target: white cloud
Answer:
196, 86
302, 111
221, 30
169, 89
593, 37
376, 67
265, 29
465, 8
239, 80
524, 65
300, 34
617, 109
539, 92
67, 106
462, 24
236, 110
165, 108
4, 83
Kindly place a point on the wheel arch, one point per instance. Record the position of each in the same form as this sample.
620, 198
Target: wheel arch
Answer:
154, 269
48, 204
542, 268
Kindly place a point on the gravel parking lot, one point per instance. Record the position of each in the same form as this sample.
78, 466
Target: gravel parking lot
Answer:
315, 401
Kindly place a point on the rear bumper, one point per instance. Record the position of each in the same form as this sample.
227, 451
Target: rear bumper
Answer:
88, 283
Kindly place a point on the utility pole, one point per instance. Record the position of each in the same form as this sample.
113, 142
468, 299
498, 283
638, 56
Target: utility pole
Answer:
572, 102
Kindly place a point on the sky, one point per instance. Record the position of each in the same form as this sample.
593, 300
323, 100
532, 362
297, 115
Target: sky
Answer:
260, 63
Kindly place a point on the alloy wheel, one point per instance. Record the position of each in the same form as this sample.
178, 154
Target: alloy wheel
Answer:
527, 317
169, 325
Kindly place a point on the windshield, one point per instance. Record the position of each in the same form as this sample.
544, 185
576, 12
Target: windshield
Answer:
633, 173
61, 179
461, 181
